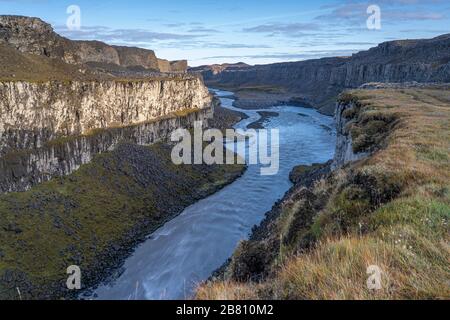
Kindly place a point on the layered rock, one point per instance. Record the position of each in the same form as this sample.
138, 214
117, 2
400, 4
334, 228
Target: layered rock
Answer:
20, 170
344, 142
33, 113
318, 82
49, 129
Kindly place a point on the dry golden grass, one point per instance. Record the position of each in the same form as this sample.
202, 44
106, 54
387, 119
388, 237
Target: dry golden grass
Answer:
391, 210
227, 291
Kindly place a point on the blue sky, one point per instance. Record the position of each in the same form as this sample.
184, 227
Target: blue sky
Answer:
255, 32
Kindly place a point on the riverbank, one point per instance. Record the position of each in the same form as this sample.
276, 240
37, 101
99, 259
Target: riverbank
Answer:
95, 217
265, 97
390, 210
225, 118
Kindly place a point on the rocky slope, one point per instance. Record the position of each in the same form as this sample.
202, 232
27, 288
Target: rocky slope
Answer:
95, 217
32, 35
318, 82
390, 209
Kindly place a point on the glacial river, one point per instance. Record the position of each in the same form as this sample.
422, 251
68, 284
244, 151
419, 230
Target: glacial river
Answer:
186, 250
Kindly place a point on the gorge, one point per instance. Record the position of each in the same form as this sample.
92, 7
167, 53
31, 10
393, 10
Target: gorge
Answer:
186, 250
85, 168
318, 82
87, 177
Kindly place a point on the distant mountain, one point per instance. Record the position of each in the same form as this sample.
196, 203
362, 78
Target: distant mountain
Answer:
319, 81
34, 36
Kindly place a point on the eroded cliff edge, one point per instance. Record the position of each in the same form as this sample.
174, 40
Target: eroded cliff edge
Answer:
49, 129
318, 82
388, 209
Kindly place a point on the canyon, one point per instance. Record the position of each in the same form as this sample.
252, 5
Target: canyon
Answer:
85, 167
59, 109
86, 175
373, 204
318, 82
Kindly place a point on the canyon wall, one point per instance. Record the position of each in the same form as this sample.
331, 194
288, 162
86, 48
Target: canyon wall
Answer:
32, 35
20, 170
32, 113
318, 82
51, 128
344, 142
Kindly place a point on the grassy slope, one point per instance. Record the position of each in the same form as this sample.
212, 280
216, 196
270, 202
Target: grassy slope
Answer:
390, 210
93, 217
19, 66
22, 66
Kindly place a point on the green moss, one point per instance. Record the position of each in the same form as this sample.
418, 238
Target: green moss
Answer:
113, 201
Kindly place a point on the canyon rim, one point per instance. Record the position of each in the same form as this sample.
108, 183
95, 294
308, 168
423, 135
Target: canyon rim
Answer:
276, 152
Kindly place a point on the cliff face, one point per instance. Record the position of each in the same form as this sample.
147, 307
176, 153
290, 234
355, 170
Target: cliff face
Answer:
32, 35
33, 113
344, 142
20, 170
51, 128
320, 81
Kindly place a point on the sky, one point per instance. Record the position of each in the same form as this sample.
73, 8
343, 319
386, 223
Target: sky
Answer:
250, 31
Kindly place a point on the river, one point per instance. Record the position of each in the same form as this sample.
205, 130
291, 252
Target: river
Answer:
187, 249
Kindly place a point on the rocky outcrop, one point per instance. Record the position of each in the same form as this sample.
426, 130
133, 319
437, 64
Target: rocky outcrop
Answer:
318, 82
32, 35
179, 66
344, 143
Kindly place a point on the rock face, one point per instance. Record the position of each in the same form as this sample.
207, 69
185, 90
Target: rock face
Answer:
20, 170
34, 113
49, 129
32, 35
320, 81
53, 123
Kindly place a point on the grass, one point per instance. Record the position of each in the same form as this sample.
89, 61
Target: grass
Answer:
391, 210
20, 66
17, 66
